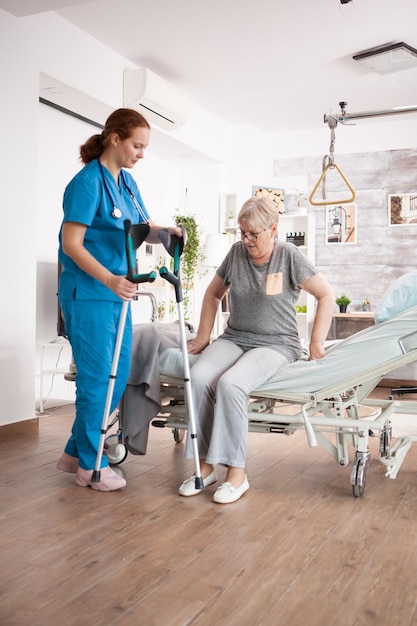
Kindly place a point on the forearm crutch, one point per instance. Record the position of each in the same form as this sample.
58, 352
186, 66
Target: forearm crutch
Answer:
135, 235
174, 246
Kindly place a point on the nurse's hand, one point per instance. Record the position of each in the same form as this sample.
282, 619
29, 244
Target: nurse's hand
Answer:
177, 230
122, 287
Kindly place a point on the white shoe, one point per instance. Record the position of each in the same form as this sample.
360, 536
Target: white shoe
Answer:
226, 493
188, 486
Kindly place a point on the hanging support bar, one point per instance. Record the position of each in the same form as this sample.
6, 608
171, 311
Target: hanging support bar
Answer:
344, 116
328, 161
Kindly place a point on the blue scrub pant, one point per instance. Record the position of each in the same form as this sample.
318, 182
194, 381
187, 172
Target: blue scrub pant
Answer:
92, 329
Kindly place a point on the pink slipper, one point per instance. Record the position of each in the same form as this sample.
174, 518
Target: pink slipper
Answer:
109, 479
67, 463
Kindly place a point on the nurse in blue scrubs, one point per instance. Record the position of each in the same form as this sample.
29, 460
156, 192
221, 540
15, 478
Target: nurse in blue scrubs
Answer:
93, 282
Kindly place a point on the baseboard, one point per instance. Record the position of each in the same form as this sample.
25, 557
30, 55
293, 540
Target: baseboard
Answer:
26, 427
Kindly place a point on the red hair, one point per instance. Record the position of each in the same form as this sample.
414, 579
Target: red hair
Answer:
122, 122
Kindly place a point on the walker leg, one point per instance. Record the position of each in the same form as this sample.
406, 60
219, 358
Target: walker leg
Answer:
113, 372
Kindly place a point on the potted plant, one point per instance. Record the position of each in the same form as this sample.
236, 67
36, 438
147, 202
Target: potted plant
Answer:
301, 196
343, 302
160, 311
231, 219
192, 256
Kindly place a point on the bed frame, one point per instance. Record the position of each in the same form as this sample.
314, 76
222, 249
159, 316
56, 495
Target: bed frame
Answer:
327, 396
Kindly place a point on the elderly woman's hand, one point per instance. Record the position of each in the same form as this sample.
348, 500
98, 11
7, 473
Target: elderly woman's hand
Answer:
317, 351
197, 345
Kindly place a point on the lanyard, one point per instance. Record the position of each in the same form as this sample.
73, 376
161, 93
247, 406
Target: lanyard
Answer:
116, 213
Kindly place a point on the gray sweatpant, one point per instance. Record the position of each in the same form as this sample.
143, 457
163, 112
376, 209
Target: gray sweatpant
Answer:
222, 379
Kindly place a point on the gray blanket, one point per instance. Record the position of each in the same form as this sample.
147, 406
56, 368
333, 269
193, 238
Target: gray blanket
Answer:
141, 400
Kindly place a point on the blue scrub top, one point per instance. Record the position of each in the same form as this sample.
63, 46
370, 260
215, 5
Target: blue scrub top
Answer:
90, 199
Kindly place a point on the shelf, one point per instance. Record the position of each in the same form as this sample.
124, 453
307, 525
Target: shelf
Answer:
355, 314
301, 224
346, 324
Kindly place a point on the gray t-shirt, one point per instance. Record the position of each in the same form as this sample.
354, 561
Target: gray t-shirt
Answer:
262, 298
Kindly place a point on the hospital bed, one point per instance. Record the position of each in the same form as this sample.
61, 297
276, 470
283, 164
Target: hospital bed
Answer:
326, 395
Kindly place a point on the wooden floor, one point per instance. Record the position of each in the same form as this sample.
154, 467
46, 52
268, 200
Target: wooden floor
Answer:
297, 550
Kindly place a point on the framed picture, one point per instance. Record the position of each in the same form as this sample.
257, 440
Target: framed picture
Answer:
402, 209
341, 223
276, 195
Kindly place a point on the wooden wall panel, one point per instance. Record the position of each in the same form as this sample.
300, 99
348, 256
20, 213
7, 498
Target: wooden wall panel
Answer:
382, 253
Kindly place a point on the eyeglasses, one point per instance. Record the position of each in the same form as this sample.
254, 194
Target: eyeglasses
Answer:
252, 237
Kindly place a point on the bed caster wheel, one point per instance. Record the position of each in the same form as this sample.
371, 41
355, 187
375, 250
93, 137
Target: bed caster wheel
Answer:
178, 434
115, 451
358, 477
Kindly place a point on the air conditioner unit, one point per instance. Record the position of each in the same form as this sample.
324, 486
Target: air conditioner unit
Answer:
157, 100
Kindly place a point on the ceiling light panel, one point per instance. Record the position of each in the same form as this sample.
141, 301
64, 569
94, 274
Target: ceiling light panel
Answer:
388, 58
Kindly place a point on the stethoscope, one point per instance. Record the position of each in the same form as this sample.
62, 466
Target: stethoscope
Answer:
116, 213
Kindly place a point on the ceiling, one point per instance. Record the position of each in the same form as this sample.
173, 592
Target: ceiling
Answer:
278, 65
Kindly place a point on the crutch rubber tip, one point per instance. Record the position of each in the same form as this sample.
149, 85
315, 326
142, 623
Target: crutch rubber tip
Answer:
199, 483
95, 477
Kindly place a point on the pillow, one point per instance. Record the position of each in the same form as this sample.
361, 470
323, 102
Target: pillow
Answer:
171, 362
402, 295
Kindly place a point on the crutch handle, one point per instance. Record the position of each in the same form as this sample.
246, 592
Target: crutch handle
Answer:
142, 278
169, 276
174, 280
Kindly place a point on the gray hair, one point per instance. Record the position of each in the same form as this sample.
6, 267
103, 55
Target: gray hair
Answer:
259, 213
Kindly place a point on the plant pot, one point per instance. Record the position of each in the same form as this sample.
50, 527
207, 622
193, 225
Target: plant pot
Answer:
343, 308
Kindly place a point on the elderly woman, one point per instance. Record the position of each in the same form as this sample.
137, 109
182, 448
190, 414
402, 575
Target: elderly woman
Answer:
264, 277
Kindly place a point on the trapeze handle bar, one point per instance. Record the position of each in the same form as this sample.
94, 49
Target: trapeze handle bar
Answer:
344, 115
326, 202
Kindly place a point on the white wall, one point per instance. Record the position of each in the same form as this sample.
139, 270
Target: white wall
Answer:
33, 178
18, 159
